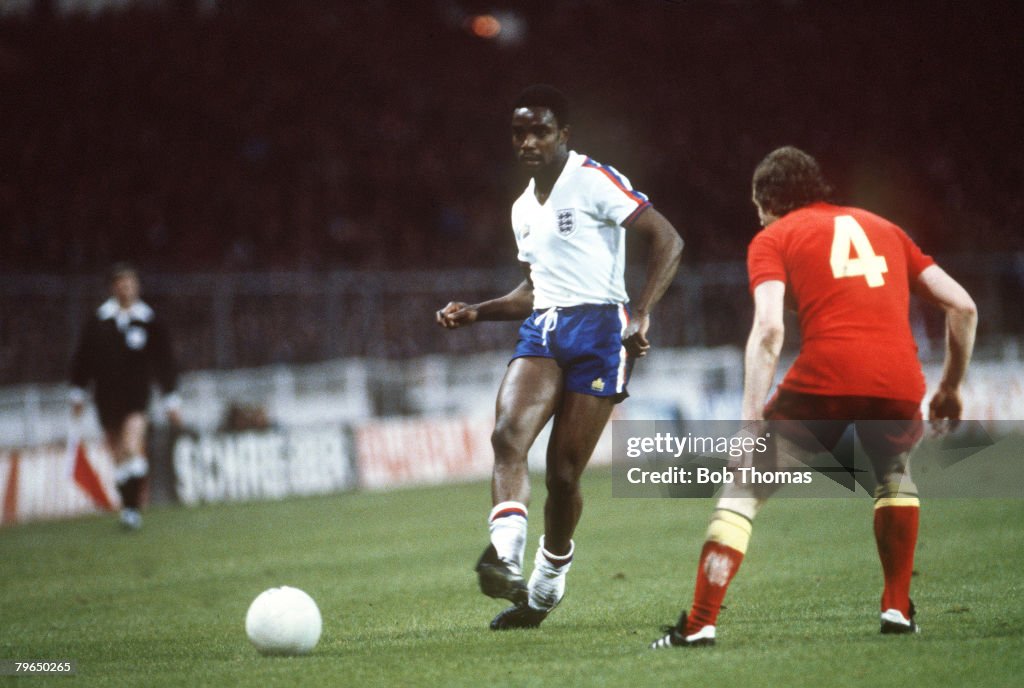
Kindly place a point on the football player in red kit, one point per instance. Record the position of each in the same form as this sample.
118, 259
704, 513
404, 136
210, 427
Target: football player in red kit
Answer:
848, 274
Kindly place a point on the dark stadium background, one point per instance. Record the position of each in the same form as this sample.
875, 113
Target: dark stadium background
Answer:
275, 151
303, 183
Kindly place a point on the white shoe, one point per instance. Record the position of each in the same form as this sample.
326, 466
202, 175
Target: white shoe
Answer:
131, 519
675, 636
893, 622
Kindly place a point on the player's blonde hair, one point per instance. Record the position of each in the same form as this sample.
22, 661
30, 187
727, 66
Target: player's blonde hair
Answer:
119, 269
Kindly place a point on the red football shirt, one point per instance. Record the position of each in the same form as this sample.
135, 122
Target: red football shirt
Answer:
847, 274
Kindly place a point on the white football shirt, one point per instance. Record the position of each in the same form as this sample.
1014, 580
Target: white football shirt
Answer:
575, 241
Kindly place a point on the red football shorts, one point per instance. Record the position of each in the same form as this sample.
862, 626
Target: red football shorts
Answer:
886, 427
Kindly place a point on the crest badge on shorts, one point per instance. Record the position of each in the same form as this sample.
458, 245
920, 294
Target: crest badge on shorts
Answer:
566, 219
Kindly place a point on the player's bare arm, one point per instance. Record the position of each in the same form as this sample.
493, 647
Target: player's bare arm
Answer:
665, 247
764, 345
515, 305
935, 285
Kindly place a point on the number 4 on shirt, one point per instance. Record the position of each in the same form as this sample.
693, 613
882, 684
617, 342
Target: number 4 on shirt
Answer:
865, 262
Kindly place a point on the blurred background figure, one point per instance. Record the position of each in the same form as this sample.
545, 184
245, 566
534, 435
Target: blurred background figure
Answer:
121, 350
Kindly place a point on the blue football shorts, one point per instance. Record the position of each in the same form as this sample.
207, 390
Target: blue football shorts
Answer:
586, 342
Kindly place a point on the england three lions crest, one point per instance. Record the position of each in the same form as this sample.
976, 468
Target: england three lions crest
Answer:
566, 219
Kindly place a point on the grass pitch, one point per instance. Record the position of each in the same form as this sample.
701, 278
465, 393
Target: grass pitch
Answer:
392, 575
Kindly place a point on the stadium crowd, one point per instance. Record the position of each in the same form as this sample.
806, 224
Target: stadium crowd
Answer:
253, 136
327, 136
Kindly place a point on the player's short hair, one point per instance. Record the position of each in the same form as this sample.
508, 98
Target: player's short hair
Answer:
787, 179
120, 268
543, 95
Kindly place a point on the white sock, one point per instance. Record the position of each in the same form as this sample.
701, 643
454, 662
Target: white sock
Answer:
547, 582
133, 467
507, 523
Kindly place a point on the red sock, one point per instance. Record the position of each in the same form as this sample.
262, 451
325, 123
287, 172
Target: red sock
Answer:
896, 535
718, 564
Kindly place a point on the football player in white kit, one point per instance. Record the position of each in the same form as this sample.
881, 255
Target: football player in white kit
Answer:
576, 345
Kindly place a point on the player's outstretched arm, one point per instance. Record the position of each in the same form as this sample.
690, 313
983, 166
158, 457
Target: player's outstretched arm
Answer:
764, 345
935, 285
665, 247
515, 305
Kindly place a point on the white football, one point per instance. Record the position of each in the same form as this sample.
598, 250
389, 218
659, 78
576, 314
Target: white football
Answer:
283, 621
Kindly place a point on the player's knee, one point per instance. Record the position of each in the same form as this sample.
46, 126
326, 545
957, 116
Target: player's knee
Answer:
893, 469
508, 442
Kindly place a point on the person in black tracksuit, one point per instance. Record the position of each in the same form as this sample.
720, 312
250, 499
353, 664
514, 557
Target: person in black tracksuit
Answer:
122, 349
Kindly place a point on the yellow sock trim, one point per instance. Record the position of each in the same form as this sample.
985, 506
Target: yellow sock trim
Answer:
730, 529
897, 501
905, 488
896, 494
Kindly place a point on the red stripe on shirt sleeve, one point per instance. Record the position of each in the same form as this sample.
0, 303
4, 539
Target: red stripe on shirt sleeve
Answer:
636, 213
